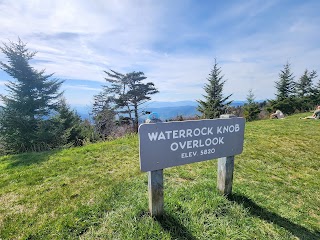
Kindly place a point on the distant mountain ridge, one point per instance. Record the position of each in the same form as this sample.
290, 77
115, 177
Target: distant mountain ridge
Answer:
166, 110
167, 113
156, 104
169, 110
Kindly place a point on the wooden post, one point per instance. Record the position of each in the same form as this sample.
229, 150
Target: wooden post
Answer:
155, 185
155, 189
225, 170
225, 174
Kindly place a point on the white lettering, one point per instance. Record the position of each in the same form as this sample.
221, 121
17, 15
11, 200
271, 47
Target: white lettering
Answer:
196, 133
182, 133
168, 134
161, 136
175, 134
174, 146
182, 145
215, 141
228, 129
153, 136
185, 133
208, 142
189, 132
188, 154
195, 144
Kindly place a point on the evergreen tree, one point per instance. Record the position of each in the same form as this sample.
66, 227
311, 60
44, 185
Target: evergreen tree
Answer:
285, 85
32, 96
315, 94
103, 115
138, 93
305, 84
71, 125
63, 129
251, 108
128, 92
215, 103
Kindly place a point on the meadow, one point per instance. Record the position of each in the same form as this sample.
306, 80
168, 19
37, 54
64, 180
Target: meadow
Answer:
98, 191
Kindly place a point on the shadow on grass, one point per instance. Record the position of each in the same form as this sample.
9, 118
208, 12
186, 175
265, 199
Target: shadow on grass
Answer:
171, 225
255, 210
27, 159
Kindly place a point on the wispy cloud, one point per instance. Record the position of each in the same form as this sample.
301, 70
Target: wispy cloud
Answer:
82, 87
173, 42
3, 82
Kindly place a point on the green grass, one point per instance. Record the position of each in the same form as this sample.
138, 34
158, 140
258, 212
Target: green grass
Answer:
98, 191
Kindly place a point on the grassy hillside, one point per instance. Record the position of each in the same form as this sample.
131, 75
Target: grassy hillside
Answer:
98, 191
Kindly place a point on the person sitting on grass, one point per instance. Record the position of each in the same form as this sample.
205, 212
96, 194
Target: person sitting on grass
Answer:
315, 115
278, 115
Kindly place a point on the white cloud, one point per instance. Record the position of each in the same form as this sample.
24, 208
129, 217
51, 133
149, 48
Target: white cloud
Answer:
80, 39
71, 34
3, 82
81, 87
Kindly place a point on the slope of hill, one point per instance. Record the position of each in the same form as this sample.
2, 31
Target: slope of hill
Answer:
98, 191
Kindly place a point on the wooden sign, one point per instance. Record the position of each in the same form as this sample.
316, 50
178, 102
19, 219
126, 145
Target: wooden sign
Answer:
171, 144
164, 145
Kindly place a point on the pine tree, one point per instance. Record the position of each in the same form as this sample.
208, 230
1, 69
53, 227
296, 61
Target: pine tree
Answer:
103, 115
305, 84
304, 91
32, 96
251, 108
128, 93
315, 94
138, 93
215, 103
285, 85
71, 123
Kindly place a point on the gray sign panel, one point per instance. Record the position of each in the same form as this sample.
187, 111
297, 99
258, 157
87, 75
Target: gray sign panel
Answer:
171, 144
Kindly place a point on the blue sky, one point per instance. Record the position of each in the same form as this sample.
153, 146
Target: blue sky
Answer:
174, 42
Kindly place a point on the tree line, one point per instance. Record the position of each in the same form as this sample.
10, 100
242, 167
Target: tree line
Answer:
291, 96
296, 96
34, 115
